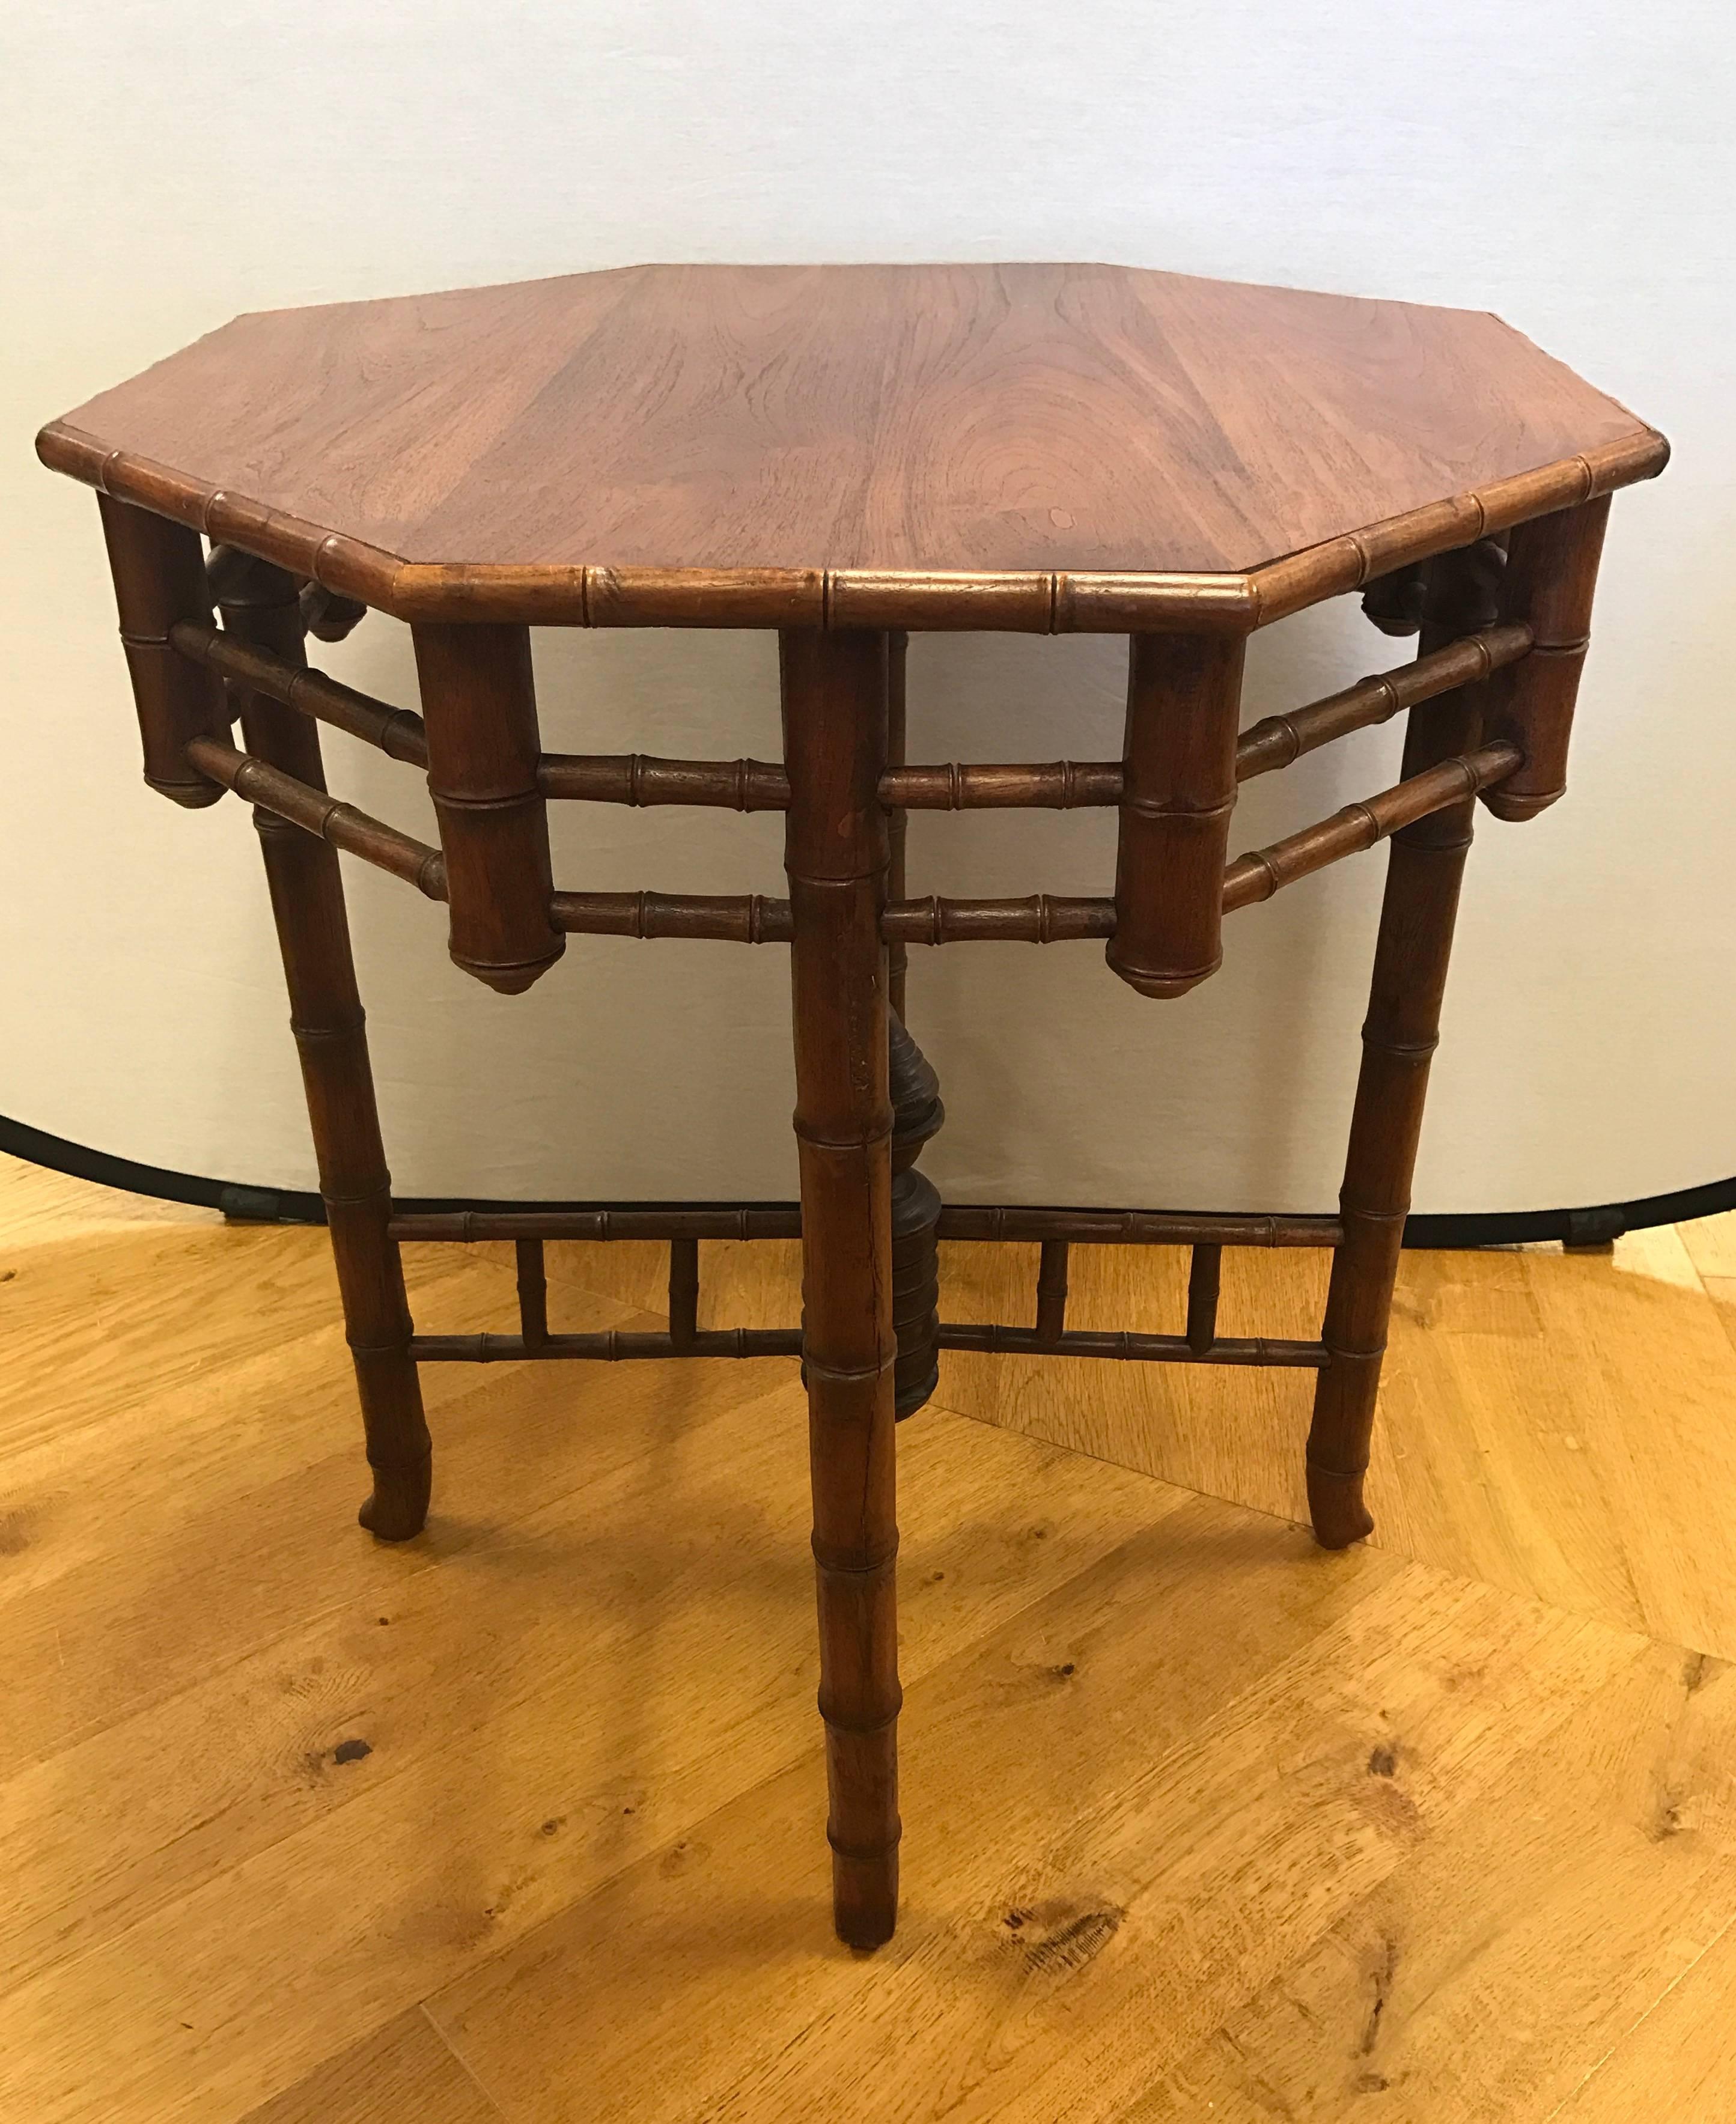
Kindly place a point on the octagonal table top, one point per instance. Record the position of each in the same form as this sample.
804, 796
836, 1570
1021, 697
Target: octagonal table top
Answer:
1023, 445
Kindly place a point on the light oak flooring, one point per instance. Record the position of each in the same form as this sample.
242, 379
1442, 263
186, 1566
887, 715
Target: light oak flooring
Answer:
522, 1821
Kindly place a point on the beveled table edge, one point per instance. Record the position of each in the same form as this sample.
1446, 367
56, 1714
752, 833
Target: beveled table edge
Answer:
1033, 602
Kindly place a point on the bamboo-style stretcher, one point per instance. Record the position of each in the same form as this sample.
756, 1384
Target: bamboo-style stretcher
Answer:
1498, 582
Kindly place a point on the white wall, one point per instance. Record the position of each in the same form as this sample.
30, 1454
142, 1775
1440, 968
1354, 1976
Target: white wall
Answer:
1568, 164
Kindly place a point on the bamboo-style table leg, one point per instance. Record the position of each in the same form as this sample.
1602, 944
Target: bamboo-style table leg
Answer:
259, 605
834, 692
1399, 1034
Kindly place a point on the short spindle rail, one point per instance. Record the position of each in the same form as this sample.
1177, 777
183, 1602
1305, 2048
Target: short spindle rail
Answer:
754, 785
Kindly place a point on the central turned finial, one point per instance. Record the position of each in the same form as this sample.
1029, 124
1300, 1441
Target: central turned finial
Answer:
917, 1115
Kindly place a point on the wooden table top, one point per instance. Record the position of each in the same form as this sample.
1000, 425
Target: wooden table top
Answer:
730, 439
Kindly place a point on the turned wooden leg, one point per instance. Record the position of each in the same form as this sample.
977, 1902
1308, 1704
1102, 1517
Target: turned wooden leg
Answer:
1400, 1034
258, 603
835, 732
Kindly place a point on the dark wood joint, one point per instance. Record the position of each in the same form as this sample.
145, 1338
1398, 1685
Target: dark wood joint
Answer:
1179, 791
1550, 581
484, 755
159, 578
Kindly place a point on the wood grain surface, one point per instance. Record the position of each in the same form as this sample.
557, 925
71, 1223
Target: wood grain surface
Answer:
778, 424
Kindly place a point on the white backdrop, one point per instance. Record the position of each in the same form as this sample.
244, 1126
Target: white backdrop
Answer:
1559, 163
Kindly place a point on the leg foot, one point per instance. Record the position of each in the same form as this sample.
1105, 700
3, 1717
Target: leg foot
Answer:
862, 1769
865, 1898
1335, 1506
397, 1509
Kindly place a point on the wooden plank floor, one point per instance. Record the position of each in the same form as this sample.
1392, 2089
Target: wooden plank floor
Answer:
522, 1821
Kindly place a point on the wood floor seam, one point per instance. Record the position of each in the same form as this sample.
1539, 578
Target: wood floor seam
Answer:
463, 2064
1627, 2035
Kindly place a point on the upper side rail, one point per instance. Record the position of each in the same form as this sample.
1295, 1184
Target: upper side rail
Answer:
757, 785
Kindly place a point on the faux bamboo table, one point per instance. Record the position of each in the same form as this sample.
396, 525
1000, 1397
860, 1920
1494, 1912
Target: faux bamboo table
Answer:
845, 454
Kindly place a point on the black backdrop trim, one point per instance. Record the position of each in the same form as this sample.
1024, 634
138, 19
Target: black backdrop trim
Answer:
1592, 1226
